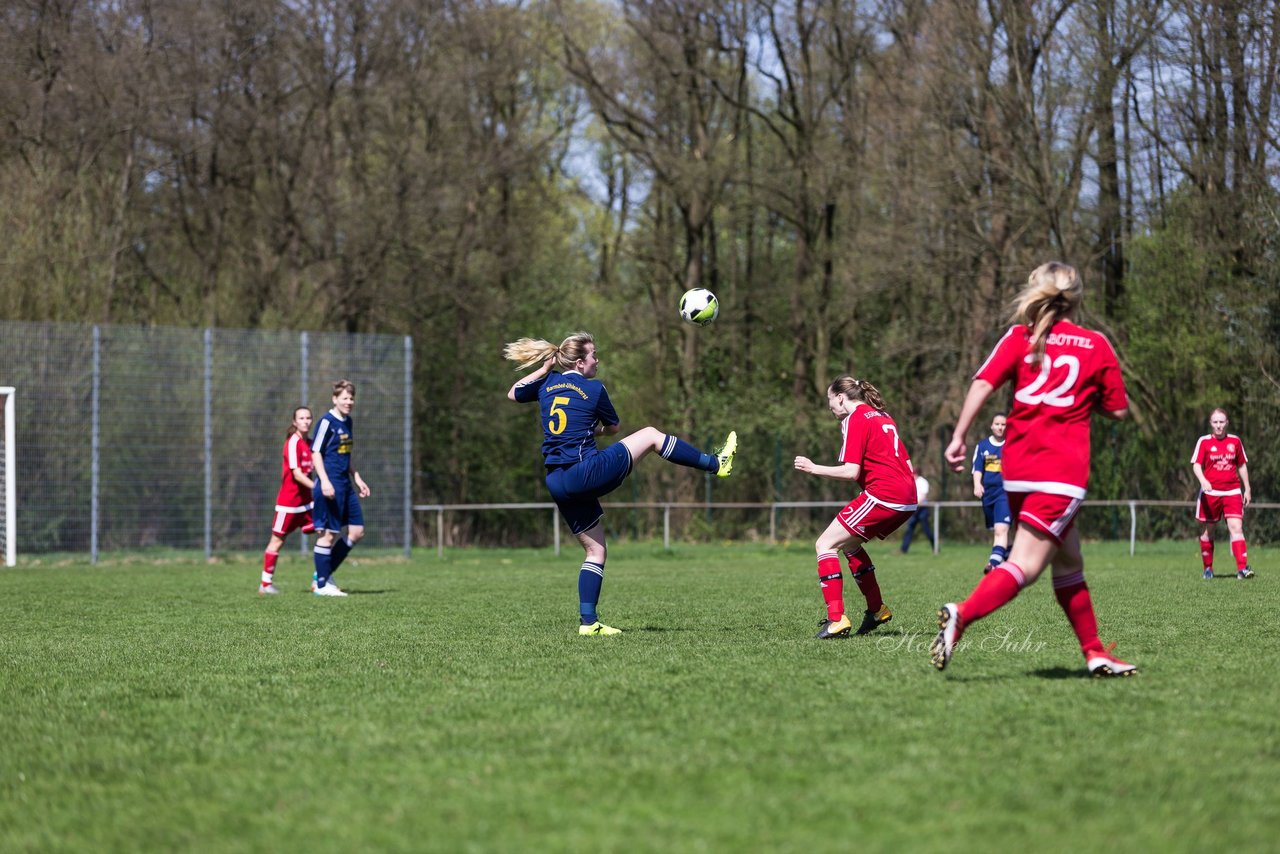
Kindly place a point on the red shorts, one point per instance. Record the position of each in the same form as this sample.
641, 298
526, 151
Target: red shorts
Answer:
864, 517
1212, 508
1052, 514
285, 522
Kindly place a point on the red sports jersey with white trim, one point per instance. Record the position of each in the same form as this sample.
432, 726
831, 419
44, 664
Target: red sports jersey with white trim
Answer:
1047, 443
293, 497
1221, 460
870, 439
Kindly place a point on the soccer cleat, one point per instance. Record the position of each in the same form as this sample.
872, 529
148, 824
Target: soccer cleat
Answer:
1104, 664
990, 566
949, 630
598, 628
267, 590
1208, 573
329, 589
1244, 573
874, 620
834, 628
726, 453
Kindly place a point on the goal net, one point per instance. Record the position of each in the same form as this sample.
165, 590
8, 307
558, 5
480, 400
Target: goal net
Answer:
8, 494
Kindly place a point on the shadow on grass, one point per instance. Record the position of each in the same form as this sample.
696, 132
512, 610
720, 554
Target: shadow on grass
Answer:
369, 592
1059, 673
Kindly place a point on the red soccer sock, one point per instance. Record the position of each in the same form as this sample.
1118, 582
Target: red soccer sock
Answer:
1073, 595
269, 566
1240, 552
832, 584
996, 589
864, 575
869, 588
1206, 552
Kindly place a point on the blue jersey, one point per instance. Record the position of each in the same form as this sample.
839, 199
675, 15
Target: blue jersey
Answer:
332, 444
987, 459
571, 406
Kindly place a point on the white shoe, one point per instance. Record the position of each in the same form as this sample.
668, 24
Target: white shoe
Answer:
949, 629
329, 589
267, 590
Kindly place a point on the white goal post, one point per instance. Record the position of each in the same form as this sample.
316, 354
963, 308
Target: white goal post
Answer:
8, 476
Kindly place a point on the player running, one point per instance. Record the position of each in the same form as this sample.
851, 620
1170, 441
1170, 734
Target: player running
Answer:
575, 409
1061, 373
338, 489
988, 484
873, 456
293, 500
1221, 466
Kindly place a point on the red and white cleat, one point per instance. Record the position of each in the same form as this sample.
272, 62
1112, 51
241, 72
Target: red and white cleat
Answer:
1103, 663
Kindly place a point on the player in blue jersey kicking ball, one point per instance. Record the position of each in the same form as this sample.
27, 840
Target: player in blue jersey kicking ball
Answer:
574, 409
338, 489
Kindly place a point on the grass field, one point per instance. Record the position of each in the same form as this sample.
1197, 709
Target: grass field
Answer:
449, 705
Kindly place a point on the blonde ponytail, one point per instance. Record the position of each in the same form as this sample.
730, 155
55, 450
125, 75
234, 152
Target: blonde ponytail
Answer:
528, 352
1053, 292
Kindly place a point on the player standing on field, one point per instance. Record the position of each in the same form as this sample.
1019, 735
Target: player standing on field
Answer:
1061, 373
1220, 464
575, 409
988, 484
920, 517
293, 500
873, 456
338, 489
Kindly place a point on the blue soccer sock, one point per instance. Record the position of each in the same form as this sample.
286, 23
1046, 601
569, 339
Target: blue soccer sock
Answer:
999, 554
590, 580
682, 453
324, 565
341, 549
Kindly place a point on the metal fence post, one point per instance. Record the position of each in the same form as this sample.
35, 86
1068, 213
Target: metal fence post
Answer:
440, 533
304, 357
408, 446
773, 523
95, 444
555, 531
1133, 526
937, 528
208, 444
666, 527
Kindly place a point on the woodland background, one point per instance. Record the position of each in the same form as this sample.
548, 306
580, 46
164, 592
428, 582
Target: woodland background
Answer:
864, 184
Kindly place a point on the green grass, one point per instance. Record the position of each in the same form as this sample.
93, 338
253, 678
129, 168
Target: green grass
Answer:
449, 705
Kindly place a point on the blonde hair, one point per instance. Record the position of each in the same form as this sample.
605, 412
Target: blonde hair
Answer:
857, 389
528, 352
343, 385
1053, 292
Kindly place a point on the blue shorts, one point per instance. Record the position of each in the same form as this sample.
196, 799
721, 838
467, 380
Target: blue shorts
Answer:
331, 514
576, 488
994, 507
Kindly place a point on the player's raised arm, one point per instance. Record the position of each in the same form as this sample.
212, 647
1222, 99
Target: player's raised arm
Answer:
979, 391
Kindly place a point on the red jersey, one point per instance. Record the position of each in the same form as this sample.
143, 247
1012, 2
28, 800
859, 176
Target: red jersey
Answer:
293, 497
1221, 460
1047, 444
870, 439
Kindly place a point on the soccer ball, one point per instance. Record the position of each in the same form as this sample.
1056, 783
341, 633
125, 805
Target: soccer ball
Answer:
699, 306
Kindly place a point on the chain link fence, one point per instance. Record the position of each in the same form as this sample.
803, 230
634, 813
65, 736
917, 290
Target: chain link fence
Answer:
130, 437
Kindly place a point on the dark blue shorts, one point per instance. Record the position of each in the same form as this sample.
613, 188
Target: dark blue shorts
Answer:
577, 488
331, 514
995, 508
